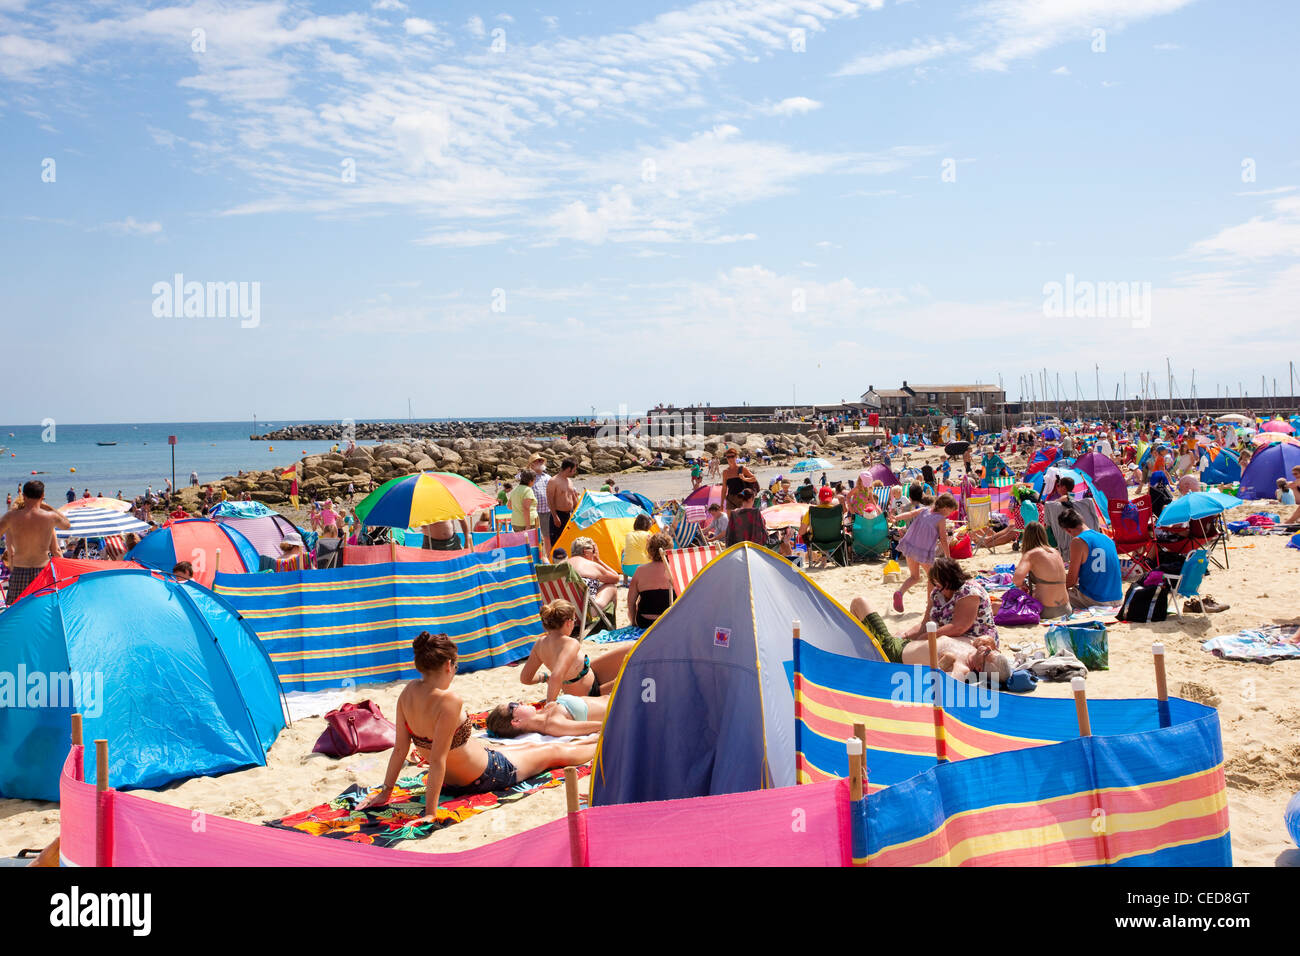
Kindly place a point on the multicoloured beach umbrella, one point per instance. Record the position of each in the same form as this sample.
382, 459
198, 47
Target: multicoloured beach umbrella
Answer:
112, 504
420, 499
784, 516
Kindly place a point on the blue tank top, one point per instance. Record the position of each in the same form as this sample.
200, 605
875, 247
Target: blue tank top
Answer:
1099, 576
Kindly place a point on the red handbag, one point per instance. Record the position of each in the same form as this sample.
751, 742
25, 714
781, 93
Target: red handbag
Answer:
354, 729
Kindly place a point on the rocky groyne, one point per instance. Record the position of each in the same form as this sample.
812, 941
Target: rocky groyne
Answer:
412, 431
486, 460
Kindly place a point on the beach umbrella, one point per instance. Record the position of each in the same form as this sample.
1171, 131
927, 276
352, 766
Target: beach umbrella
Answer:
112, 504
1198, 504
955, 448
704, 496
1233, 417
412, 501
784, 516
812, 464
1272, 438
1278, 426
100, 523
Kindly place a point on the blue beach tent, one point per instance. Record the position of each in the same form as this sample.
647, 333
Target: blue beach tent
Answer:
1225, 468
704, 702
167, 672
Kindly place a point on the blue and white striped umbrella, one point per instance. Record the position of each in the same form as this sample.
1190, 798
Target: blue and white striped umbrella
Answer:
101, 522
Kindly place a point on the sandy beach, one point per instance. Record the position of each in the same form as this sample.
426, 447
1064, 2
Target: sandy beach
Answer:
1257, 706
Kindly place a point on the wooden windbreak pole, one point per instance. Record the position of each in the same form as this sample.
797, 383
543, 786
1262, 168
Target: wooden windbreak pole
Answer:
936, 691
1079, 685
79, 759
1162, 685
577, 851
102, 822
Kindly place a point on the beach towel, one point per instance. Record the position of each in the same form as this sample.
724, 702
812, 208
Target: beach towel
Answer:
629, 633
1263, 645
394, 822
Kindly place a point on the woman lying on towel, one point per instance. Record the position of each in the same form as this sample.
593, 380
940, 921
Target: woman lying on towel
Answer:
431, 716
568, 669
569, 716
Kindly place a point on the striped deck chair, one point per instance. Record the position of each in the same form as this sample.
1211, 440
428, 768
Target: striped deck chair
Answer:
561, 582
978, 511
685, 532
114, 547
685, 563
882, 497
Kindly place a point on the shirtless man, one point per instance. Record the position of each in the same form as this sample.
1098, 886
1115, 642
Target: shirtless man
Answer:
442, 536
29, 534
562, 497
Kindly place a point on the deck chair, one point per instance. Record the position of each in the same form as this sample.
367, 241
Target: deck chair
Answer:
329, 553
828, 533
978, 512
685, 563
561, 581
1133, 533
1187, 585
871, 536
882, 496
805, 494
685, 532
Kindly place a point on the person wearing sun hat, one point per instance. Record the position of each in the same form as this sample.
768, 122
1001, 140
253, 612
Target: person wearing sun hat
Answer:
537, 465
293, 553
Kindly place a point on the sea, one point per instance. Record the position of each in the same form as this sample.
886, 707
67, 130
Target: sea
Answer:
70, 456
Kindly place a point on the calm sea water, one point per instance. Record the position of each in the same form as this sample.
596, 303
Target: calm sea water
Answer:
142, 456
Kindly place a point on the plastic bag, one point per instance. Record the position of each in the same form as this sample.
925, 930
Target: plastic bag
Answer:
1087, 641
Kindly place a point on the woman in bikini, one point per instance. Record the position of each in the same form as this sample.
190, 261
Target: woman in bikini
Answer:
568, 670
431, 716
1041, 572
567, 717
649, 593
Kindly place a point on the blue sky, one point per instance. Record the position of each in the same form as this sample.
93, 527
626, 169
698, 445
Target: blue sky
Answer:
560, 206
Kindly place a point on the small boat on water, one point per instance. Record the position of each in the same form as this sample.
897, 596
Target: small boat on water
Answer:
105, 443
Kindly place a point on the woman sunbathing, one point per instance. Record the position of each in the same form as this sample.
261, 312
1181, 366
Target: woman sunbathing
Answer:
432, 716
570, 670
569, 716
1041, 572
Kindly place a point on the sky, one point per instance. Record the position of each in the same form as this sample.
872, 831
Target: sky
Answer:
535, 209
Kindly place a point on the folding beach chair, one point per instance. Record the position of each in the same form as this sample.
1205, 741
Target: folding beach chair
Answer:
1132, 530
562, 581
1207, 533
114, 547
871, 536
1187, 585
805, 494
329, 553
978, 512
685, 532
685, 564
882, 496
828, 533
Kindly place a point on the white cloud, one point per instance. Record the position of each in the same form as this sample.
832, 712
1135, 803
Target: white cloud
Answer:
1259, 238
417, 27
475, 26
1061, 71
21, 56
464, 237
388, 5
919, 52
130, 227
791, 106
